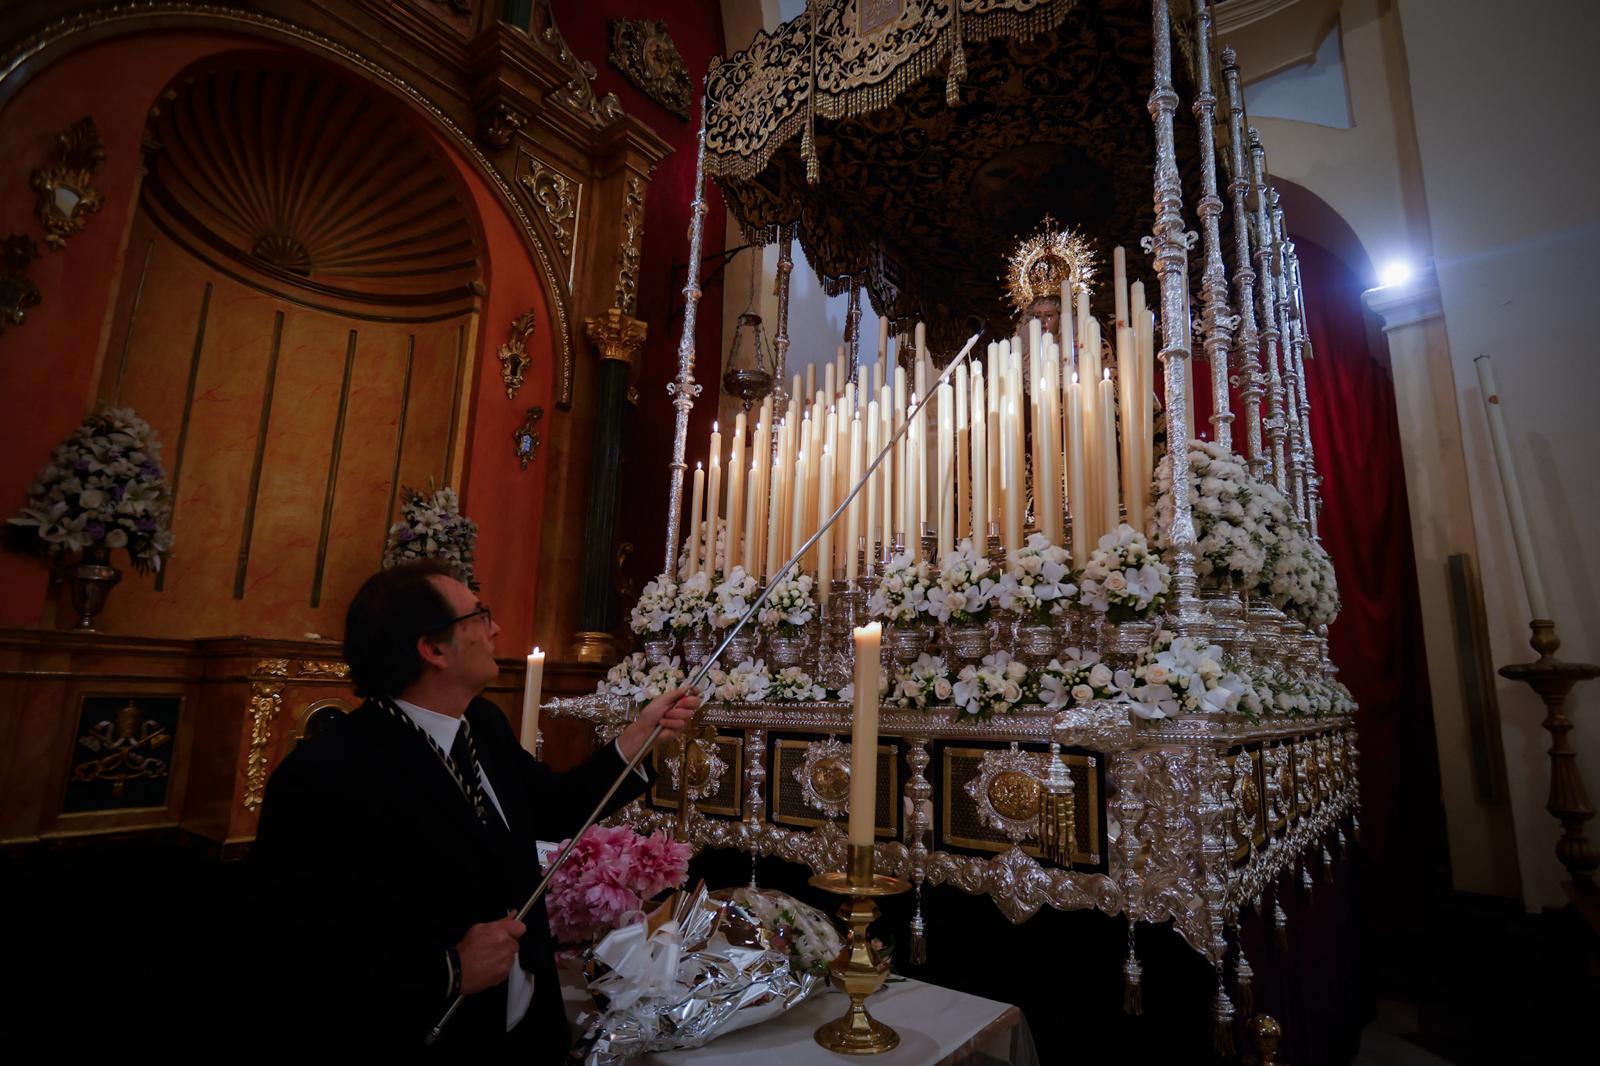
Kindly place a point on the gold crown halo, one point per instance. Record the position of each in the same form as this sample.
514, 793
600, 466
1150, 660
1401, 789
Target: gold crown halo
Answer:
1043, 262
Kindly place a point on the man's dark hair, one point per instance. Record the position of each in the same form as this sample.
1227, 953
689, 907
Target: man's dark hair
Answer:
391, 610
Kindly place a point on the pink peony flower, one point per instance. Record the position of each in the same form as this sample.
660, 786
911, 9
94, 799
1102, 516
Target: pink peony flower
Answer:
611, 871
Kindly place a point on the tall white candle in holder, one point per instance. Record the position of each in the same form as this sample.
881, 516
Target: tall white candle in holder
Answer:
1512, 486
713, 501
696, 501
864, 735
532, 686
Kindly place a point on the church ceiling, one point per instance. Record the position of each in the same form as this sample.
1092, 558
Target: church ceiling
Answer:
294, 173
925, 200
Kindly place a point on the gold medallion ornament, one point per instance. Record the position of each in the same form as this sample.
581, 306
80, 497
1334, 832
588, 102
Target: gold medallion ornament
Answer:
1047, 261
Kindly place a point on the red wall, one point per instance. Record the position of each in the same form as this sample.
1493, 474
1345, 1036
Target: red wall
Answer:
696, 28
49, 365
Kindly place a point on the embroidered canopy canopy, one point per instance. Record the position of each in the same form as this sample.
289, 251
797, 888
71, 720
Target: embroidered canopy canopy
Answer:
913, 143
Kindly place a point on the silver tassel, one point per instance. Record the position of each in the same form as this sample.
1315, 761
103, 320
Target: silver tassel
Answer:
1327, 865
1221, 1020
1132, 979
919, 934
1355, 827
1242, 976
1344, 847
1305, 878
1280, 925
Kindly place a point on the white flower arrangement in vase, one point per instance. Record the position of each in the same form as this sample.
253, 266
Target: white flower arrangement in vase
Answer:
925, 683
732, 598
1175, 676
1124, 579
692, 607
745, 683
1038, 580
901, 597
993, 687
1232, 532
1075, 680
662, 679
627, 678
103, 488
790, 606
794, 685
966, 587
653, 613
432, 526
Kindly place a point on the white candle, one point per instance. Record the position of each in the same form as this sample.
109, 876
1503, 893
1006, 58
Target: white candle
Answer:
825, 542
713, 501
1014, 487
752, 512
1083, 534
886, 472
1511, 485
944, 475
871, 528
864, 736
1109, 515
980, 462
852, 516
532, 685
963, 457
736, 461
695, 506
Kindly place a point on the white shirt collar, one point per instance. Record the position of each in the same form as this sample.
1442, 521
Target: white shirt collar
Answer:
441, 727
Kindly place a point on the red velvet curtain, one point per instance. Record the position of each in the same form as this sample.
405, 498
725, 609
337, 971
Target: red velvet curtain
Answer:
1377, 640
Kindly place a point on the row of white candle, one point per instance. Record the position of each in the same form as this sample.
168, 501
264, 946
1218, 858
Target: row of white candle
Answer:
959, 471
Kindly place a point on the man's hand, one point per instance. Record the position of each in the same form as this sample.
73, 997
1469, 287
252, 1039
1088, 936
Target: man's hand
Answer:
487, 952
673, 710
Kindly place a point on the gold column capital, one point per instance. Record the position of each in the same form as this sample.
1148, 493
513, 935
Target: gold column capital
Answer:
617, 334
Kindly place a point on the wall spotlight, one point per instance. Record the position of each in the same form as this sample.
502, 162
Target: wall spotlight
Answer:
1395, 272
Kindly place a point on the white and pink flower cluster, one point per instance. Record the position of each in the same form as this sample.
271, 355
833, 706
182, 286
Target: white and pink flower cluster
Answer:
653, 613
994, 687
1178, 675
902, 593
966, 587
1076, 679
1123, 578
790, 606
1038, 579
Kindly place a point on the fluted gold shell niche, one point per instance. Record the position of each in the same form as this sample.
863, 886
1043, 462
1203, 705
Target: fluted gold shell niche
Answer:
297, 175
297, 318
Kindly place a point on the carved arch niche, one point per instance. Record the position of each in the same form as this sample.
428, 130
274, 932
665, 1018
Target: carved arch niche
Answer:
298, 318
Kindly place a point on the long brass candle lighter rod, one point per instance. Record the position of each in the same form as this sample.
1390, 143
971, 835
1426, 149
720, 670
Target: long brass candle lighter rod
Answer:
705, 667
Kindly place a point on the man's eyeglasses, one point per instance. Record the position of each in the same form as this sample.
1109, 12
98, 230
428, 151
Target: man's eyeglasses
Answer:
482, 609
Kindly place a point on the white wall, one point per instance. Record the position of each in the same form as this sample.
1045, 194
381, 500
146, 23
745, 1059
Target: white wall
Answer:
1503, 97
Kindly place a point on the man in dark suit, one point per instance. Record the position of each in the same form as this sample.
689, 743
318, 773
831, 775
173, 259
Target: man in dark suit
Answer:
395, 846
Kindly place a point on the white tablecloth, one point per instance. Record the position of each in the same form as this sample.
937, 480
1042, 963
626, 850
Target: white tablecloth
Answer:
937, 1026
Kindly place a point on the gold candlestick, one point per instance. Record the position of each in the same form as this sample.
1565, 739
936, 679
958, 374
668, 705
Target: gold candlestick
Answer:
1552, 679
858, 969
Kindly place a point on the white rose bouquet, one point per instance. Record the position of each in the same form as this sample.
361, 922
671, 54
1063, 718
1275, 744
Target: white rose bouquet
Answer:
1176, 676
790, 606
1038, 580
794, 685
746, 683
102, 488
732, 598
966, 587
692, 606
902, 592
1124, 579
1079, 680
653, 613
923, 684
993, 687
